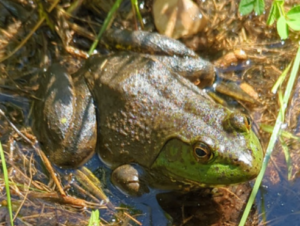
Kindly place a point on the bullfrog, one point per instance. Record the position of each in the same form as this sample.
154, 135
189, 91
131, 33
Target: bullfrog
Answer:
151, 125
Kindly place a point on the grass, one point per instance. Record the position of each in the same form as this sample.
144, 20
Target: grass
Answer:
6, 181
24, 40
274, 136
277, 127
109, 19
286, 21
95, 218
106, 24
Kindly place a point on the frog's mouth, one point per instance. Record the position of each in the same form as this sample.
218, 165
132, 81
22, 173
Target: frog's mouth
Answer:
210, 179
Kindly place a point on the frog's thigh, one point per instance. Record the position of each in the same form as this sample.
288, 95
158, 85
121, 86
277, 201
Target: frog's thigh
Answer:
127, 178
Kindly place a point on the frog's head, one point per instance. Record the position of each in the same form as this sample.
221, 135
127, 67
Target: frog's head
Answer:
226, 155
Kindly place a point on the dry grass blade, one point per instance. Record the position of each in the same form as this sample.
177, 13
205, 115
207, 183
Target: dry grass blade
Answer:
92, 187
41, 154
22, 43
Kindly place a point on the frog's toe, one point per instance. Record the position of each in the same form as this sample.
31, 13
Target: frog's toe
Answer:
127, 179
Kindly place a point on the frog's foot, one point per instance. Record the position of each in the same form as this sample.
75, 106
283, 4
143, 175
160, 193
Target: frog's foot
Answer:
127, 178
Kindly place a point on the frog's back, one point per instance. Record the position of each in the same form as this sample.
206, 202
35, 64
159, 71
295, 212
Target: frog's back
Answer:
141, 105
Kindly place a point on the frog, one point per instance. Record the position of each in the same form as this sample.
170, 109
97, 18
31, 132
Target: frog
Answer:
151, 125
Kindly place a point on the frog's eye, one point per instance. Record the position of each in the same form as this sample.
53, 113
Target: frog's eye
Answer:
248, 120
237, 122
202, 152
240, 122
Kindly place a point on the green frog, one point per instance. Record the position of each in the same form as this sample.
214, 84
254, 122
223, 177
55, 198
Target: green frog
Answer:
151, 125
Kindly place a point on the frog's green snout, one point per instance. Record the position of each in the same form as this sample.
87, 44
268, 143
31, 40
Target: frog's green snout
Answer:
249, 160
257, 153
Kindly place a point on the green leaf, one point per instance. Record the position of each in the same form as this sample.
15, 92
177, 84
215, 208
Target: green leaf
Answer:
94, 219
294, 24
282, 28
279, 2
259, 7
294, 13
273, 15
246, 6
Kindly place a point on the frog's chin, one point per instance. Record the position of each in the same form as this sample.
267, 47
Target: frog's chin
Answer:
184, 183
188, 185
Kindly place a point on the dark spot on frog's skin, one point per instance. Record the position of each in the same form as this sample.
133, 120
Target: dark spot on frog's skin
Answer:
217, 169
251, 152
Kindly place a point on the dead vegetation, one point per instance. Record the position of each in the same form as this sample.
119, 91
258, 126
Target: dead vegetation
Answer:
65, 34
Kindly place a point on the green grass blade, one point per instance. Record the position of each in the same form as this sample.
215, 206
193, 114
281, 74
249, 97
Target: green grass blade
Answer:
281, 78
137, 10
287, 157
263, 207
273, 15
280, 99
273, 138
283, 133
107, 21
4, 168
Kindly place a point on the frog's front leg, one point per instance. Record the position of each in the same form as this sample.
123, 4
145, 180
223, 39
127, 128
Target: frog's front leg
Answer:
129, 180
200, 72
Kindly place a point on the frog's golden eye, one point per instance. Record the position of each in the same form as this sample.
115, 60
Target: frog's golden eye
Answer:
240, 122
202, 152
237, 122
248, 121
